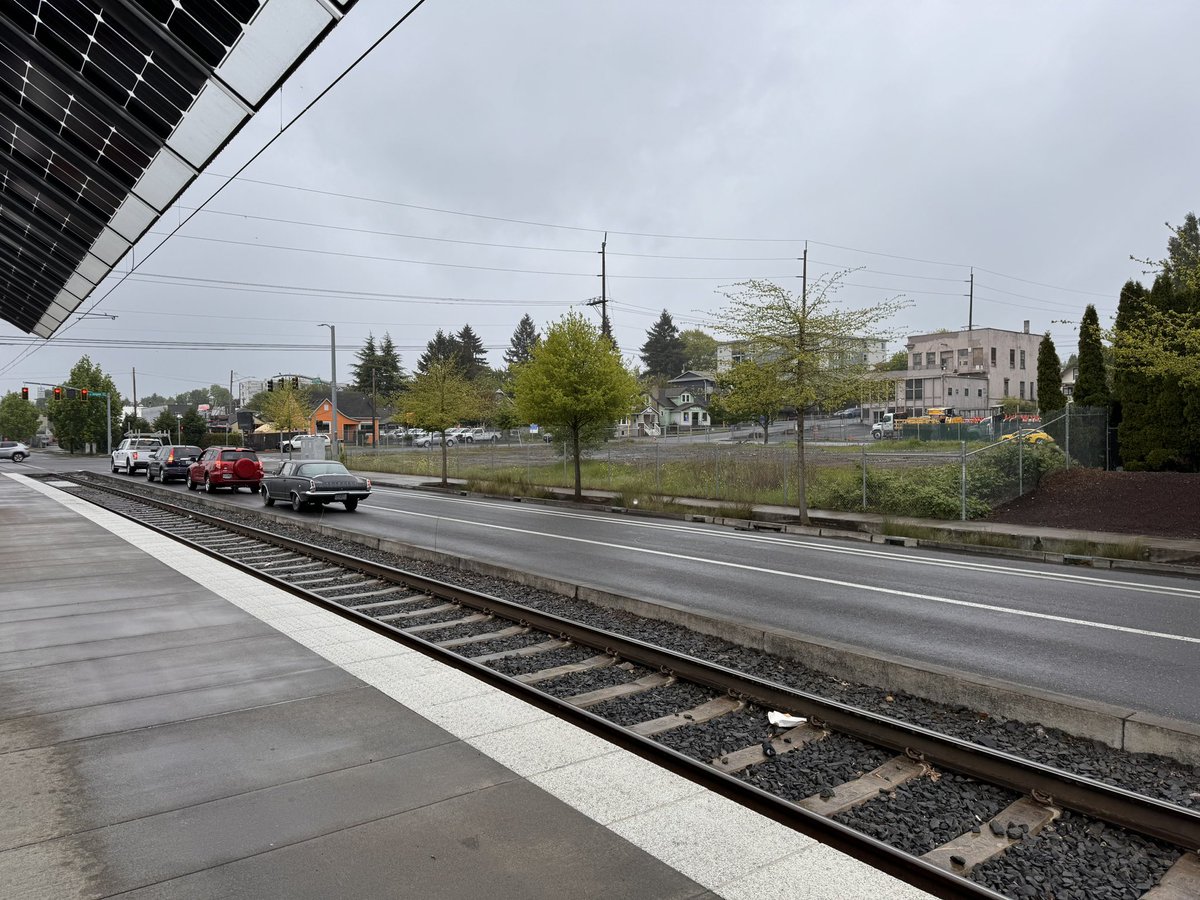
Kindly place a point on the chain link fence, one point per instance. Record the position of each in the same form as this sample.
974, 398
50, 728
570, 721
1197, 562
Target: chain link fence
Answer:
948, 479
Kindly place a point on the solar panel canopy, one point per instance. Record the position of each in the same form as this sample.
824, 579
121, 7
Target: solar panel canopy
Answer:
109, 109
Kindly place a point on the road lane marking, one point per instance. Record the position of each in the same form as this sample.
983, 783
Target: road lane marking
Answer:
872, 553
894, 592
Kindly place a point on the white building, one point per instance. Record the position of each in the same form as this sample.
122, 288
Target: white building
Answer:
970, 370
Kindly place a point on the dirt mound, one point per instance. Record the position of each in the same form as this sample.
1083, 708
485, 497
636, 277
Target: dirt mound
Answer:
1163, 504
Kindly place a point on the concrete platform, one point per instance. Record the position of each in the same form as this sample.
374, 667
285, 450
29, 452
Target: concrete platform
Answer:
171, 728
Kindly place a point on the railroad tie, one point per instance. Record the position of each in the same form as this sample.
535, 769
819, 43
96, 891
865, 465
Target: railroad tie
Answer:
1181, 881
647, 683
969, 850
718, 706
453, 623
601, 661
792, 739
886, 777
416, 613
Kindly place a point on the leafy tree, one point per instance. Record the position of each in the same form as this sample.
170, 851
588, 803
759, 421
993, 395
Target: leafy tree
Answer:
194, 427
812, 342
368, 361
130, 422
664, 352
525, 337
1049, 377
194, 397
77, 421
155, 400
756, 391
441, 348
18, 418
574, 381
166, 422
1091, 387
472, 359
440, 397
218, 395
287, 408
897, 362
699, 350
391, 376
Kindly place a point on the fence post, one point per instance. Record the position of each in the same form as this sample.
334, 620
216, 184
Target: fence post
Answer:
657, 471
717, 453
864, 468
964, 481
1069, 434
1020, 464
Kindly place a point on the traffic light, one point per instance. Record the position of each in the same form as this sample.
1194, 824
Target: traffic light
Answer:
83, 393
57, 392
295, 382
271, 384
24, 393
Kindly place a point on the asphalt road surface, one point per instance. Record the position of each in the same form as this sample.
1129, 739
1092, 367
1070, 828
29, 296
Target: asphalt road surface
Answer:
1129, 639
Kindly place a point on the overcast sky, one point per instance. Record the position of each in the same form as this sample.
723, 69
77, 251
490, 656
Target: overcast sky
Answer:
1041, 143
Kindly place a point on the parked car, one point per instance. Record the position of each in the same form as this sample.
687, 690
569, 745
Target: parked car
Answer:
293, 443
1029, 436
171, 462
225, 467
477, 436
311, 482
433, 440
14, 450
134, 453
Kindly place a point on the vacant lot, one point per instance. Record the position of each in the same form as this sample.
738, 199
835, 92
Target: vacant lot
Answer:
1165, 504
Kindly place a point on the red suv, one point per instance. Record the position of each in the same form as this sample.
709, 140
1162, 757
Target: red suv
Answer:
231, 467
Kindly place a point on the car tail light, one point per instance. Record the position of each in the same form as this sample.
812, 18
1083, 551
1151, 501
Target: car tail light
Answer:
171, 458
135, 454
368, 483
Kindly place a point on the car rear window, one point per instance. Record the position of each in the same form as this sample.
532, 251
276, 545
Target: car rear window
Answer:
147, 445
182, 450
239, 454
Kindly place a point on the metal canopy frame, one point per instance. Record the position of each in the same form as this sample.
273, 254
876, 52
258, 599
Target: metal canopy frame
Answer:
109, 109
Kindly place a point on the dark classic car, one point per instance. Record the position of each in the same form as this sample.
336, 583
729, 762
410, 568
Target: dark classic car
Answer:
309, 482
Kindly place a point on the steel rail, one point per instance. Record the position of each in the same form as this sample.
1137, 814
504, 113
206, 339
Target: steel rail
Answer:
1145, 815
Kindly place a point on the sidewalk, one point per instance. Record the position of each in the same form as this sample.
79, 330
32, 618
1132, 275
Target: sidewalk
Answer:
972, 534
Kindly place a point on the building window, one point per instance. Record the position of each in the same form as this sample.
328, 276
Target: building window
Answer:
916, 360
964, 358
914, 389
993, 357
1022, 390
981, 393
1005, 387
930, 360
1022, 359
1012, 359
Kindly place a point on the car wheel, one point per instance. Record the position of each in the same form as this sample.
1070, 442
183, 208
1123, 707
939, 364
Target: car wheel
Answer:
191, 484
128, 468
149, 474
268, 500
209, 487
113, 465
351, 504
297, 503
18, 456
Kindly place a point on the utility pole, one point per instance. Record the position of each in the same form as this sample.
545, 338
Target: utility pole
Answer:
333, 424
135, 405
229, 412
971, 303
605, 325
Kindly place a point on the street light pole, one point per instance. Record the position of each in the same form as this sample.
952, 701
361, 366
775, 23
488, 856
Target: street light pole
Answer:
333, 425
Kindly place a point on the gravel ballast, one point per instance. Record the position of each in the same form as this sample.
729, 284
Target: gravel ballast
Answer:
565, 656
663, 701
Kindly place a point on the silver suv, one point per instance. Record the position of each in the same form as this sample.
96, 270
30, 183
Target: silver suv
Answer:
134, 454
14, 450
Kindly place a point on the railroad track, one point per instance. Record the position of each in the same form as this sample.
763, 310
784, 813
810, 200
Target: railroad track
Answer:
836, 774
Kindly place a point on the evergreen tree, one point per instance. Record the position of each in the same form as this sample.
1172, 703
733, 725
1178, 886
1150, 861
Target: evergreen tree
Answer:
194, 427
664, 353
524, 339
368, 360
391, 376
166, 423
1049, 377
472, 359
1091, 388
442, 348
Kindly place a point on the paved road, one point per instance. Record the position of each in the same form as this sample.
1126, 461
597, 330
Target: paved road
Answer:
1127, 639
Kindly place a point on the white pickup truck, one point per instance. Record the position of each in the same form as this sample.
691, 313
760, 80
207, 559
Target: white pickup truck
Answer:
134, 452
477, 436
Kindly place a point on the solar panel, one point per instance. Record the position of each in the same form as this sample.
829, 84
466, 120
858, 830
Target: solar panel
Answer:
109, 109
